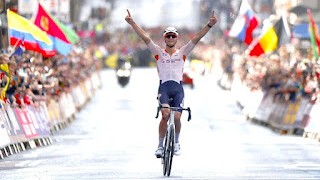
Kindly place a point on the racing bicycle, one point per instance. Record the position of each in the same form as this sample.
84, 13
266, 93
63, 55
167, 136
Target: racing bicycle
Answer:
168, 149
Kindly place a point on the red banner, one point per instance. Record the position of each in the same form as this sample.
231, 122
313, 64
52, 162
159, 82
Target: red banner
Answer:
26, 122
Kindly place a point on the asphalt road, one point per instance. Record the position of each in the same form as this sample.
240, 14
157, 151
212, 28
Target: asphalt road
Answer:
115, 136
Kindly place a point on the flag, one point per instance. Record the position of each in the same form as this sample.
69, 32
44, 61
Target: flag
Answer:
271, 38
72, 36
18, 51
314, 36
244, 24
45, 22
24, 32
5, 69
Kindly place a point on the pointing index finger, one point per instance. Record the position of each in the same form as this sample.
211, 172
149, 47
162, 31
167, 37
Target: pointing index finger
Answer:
128, 13
212, 13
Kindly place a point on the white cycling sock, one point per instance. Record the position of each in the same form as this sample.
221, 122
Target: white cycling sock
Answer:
177, 137
161, 142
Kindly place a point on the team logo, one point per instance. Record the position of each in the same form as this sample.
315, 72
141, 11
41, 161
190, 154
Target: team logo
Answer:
175, 60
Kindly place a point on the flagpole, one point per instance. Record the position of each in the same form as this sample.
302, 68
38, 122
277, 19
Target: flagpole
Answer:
14, 48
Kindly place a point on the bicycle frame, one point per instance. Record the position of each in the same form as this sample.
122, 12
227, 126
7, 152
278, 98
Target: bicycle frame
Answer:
170, 138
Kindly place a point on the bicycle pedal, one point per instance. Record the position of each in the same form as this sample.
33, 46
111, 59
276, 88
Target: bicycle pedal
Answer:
159, 155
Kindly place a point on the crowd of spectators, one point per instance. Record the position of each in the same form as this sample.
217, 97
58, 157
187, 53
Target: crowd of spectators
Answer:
126, 42
29, 78
288, 74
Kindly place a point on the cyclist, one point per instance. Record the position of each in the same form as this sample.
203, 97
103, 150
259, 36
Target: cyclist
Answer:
170, 62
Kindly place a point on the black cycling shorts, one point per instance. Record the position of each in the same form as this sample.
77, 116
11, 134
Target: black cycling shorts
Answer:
171, 89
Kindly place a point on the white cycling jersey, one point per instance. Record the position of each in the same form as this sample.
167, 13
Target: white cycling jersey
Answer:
170, 67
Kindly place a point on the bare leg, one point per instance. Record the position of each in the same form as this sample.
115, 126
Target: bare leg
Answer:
177, 122
163, 125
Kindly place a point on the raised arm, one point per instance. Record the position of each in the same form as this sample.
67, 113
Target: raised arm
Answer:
212, 21
137, 28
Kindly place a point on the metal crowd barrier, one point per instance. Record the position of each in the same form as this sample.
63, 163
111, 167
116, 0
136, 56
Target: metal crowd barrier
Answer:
297, 117
31, 126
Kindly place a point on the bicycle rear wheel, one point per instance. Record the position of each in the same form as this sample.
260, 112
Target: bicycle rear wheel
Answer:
168, 152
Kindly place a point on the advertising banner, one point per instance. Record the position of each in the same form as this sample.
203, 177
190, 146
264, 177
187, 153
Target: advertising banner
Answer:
265, 108
53, 113
24, 120
16, 133
301, 114
290, 115
40, 124
277, 115
4, 137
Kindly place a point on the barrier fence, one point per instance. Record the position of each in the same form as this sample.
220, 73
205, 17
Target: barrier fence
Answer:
299, 117
31, 126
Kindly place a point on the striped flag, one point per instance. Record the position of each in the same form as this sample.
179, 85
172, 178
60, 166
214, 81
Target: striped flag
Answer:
23, 32
244, 24
270, 39
314, 36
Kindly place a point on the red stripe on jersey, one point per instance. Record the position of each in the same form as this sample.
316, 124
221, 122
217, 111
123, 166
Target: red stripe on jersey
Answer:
157, 57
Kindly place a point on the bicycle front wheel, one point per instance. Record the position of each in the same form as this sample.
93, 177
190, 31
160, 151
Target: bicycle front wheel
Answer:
168, 151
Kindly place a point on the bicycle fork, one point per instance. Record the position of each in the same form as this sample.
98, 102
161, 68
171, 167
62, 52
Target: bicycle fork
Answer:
170, 134
171, 129
170, 126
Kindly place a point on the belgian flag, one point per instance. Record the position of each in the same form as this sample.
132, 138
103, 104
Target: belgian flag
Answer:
271, 39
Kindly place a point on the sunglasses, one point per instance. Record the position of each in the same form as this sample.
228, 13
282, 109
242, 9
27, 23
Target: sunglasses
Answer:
170, 36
